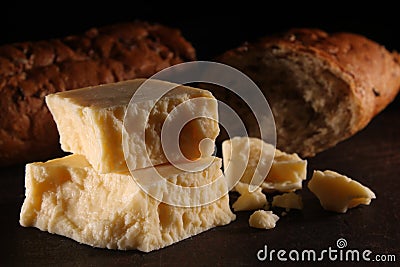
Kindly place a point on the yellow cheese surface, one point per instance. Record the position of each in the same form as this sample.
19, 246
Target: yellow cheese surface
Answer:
68, 197
91, 123
337, 192
249, 200
288, 200
245, 156
263, 219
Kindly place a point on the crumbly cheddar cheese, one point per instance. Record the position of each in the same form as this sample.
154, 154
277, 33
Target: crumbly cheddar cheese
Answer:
91, 123
263, 219
287, 173
288, 201
249, 200
337, 192
246, 156
68, 197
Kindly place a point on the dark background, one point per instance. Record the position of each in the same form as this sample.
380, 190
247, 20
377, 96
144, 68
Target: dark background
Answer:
210, 27
372, 156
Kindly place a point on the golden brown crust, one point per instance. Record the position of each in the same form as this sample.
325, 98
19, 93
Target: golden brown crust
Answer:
374, 70
371, 73
31, 70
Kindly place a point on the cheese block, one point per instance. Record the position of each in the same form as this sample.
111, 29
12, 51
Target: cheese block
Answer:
68, 197
263, 219
91, 123
254, 161
337, 192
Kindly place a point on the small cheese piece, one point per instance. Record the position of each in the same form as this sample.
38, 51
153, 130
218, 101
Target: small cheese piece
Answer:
337, 192
248, 157
91, 123
249, 200
287, 173
288, 201
263, 219
68, 197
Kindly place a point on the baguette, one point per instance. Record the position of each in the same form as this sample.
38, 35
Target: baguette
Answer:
322, 88
31, 70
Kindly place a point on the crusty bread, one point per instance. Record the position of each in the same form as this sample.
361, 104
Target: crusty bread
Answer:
322, 88
31, 70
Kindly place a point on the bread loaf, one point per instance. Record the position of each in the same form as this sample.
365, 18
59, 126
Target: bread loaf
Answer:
322, 88
31, 70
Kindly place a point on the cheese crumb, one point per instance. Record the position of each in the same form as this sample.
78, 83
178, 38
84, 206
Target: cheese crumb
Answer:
249, 200
337, 192
288, 201
263, 219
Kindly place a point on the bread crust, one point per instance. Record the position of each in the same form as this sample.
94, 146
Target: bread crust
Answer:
31, 70
371, 73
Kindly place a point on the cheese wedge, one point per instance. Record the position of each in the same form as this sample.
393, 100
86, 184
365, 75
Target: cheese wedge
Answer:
68, 197
249, 159
91, 123
337, 192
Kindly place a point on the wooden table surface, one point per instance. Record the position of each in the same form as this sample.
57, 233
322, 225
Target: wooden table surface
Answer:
372, 157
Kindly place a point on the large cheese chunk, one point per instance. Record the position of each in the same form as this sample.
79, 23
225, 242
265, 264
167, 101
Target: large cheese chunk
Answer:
337, 192
91, 123
68, 197
246, 156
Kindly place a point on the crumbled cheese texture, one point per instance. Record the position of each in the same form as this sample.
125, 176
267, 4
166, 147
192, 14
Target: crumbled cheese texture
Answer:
288, 200
337, 192
263, 219
91, 123
68, 197
249, 200
248, 157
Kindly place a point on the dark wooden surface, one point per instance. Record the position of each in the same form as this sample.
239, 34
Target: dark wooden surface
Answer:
372, 156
